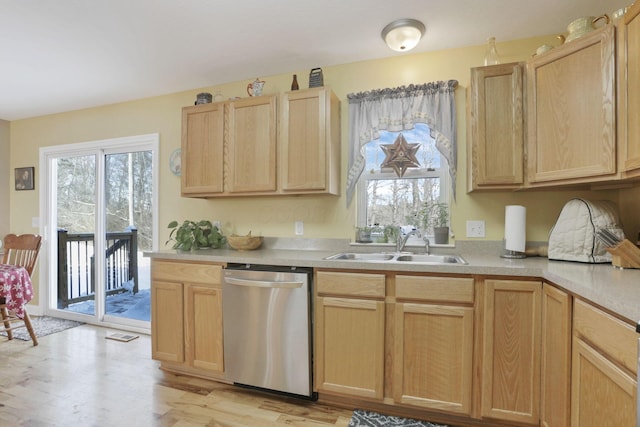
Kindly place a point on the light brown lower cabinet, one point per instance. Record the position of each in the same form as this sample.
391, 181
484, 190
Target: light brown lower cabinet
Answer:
167, 321
556, 358
186, 317
433, 343
491, 350
510, 389
350, 328
603, 379
203, 327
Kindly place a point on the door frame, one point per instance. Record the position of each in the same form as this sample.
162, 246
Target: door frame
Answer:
48, 269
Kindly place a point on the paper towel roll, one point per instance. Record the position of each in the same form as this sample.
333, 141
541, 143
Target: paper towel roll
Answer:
515, 226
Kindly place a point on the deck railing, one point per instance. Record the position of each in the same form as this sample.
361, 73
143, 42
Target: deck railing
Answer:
76, 265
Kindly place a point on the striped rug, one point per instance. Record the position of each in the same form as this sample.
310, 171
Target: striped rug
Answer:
361, 418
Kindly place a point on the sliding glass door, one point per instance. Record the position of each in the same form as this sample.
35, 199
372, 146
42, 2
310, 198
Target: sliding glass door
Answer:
100, 217
128, 218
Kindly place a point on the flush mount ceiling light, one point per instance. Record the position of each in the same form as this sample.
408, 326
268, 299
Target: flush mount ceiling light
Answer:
403, 34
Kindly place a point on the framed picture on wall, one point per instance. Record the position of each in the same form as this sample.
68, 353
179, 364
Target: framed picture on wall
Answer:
25, 178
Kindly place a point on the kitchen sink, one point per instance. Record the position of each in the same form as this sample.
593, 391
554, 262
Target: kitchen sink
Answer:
354, 256
402, 257
432, 259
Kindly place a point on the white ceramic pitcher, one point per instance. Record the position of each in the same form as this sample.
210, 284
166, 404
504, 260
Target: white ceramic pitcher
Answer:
255, 88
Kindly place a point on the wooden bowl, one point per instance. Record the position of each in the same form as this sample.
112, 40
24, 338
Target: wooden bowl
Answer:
244, 243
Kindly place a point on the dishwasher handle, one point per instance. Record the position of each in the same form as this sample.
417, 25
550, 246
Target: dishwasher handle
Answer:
263, 283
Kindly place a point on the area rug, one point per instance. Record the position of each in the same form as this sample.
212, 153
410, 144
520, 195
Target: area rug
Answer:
363, 418
43, 326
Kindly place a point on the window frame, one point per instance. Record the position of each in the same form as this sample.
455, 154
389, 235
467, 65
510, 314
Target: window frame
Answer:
412, 173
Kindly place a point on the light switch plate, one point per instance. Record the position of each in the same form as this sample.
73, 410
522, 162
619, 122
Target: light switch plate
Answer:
475, 228
299, 226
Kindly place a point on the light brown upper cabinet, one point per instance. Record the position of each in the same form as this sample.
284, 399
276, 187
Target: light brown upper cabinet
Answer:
572, 112
247, 147
229, 148
251, 145
495, 117
629, 92
202, 149
310, 141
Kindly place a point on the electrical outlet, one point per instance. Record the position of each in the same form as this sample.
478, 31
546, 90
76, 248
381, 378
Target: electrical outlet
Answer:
299, 227
475, 228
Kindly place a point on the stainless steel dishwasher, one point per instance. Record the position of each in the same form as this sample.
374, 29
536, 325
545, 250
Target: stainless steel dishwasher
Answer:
267, 327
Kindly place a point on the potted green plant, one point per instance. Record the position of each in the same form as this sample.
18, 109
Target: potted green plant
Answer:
363, 234
377, 234
435, 216
191, 235
391, 233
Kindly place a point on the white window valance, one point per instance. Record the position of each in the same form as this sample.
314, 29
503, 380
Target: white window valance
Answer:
399, 109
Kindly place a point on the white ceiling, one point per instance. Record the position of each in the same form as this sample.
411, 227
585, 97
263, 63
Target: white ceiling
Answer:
63, 55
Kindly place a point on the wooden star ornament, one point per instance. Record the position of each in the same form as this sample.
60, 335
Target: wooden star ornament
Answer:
400, 156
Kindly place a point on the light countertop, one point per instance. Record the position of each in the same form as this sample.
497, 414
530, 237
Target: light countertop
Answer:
613, 289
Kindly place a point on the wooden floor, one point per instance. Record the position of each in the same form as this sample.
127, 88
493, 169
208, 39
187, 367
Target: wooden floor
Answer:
79, 378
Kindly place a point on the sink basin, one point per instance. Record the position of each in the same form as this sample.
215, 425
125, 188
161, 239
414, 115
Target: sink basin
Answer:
402, 257
432, 259
362, 257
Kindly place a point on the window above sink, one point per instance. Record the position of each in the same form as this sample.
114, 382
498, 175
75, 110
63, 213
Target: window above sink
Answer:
384, 198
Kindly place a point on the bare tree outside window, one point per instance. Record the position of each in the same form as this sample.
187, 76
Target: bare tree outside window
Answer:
128, 196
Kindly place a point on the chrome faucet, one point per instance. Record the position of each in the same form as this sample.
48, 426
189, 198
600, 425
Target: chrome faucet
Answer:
426, 245
402, 241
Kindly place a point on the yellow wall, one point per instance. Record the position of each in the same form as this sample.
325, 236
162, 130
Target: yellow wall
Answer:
5, 176
323, 216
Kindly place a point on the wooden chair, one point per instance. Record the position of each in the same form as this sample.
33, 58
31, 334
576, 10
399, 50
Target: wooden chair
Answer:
20, 250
